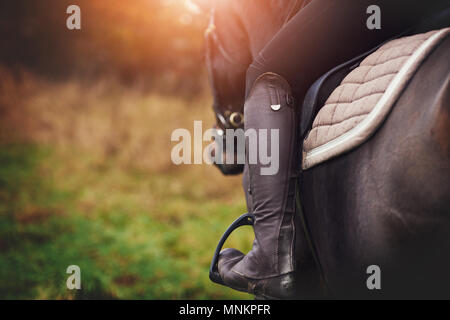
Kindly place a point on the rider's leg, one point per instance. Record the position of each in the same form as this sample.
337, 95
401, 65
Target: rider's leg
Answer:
327, 33
321, 36
267, 270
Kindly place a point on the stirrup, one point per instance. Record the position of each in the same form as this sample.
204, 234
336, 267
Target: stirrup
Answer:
244, 220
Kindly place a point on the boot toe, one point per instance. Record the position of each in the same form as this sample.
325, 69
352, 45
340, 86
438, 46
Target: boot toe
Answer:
228, 258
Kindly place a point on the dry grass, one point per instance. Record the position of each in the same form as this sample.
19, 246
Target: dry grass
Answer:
106, 118
112, 179
107, 121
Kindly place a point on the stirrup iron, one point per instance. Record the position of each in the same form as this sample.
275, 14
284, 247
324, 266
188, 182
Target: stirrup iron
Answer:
247, 219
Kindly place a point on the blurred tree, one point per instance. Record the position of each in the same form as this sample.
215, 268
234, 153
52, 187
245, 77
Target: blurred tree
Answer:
157, 41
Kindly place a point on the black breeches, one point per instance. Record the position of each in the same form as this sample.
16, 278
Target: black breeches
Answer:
327, 33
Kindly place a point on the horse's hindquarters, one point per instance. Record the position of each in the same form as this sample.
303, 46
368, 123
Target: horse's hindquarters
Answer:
386, 203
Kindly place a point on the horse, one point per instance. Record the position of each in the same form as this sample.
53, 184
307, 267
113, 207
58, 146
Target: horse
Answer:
382, 209
229, 52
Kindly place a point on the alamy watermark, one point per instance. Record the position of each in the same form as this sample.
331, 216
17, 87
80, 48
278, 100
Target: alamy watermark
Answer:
374, 20
73, 22
227, 147
74, 280
374, 280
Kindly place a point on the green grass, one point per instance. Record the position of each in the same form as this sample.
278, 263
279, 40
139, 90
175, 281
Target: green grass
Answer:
135, 234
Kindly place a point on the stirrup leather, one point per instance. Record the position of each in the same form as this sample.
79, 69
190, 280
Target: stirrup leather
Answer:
247, 219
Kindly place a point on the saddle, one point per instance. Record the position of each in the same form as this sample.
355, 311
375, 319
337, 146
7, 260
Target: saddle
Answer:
346, 106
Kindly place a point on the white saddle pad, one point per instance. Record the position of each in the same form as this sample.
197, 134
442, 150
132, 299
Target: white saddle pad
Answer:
360, 104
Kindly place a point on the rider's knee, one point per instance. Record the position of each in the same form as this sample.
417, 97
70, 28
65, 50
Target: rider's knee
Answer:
256, 69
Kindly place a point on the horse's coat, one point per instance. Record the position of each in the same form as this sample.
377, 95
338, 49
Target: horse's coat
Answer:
385, 203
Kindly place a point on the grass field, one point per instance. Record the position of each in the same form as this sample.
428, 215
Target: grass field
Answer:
86, 179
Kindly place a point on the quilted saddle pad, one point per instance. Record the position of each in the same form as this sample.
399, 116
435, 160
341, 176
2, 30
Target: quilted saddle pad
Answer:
360, 104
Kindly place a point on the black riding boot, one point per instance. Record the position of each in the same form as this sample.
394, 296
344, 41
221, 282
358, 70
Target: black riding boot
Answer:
269, 270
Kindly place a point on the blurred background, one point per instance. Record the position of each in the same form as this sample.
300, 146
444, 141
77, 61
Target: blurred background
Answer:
85, 172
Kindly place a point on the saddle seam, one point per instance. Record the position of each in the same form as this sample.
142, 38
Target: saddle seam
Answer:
351, 102
385, 62
384, 49
369, 81
353, 95
342, 121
